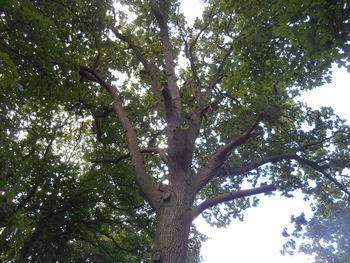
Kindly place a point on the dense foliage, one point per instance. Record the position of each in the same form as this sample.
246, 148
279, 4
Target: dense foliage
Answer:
113, 113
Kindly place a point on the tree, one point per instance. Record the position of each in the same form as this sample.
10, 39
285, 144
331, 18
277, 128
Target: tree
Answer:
120, 114
325, 235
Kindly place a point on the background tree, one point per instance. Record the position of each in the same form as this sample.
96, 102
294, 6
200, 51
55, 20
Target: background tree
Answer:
325, 235
121, 123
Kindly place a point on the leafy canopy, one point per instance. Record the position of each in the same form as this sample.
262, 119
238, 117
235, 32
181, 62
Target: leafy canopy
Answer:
67, 188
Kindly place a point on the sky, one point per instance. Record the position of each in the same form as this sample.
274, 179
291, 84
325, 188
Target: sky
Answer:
259, 237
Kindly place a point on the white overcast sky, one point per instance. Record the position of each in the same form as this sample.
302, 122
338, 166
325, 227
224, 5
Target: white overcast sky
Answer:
259, 238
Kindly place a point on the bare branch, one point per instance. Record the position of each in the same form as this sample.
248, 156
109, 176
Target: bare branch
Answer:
144, 182
205, 27
212, 106
158, 150
226, 95
219, 74
229, 197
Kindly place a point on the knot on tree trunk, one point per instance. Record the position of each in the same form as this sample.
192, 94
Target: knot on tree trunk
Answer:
156, 257
166, 196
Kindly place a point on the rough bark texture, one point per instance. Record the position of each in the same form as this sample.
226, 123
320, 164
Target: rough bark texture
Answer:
174, 221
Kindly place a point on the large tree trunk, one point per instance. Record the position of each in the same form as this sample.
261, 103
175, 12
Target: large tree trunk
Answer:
173, 227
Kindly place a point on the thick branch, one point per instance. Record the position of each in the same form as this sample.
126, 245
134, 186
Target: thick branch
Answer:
144, 182
207, 172
224, 152
150, 68
180, 141
229, 197
87, 75
174, 109
256, 164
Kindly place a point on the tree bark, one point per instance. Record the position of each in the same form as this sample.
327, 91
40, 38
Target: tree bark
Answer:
172, 236
173, 226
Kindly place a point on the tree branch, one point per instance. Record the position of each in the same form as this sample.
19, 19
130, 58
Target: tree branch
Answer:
146, 185
322, 170
160, 151
223, 153
229, 197
219, 72
278, 157
207, 172
174, 109
254, 165
135, 48
189, 48
180, 141
150, 68
319, 141
93, 228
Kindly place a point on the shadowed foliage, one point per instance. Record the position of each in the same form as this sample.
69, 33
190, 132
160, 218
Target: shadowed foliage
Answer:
120, 123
